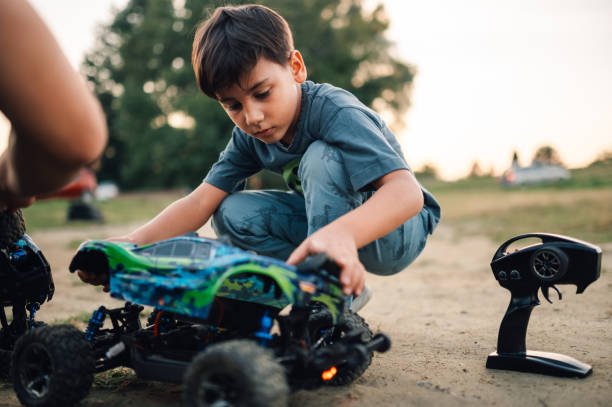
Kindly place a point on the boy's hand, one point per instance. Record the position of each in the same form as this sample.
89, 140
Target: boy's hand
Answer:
339, 246
97, 279
94, 279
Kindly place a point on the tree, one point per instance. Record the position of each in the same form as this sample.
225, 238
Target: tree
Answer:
164, 133
547, 155
427, 171
476, 170
515, 160
603, 159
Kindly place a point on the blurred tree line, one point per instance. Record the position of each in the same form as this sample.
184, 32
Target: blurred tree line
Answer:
165, 133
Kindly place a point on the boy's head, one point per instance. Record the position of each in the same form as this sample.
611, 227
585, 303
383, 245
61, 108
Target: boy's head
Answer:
243, 57
230, 43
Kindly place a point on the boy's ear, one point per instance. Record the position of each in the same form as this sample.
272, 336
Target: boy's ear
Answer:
298, 68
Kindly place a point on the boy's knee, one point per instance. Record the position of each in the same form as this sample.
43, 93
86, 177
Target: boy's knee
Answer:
224, 218
395, 252
385, 268
321, 162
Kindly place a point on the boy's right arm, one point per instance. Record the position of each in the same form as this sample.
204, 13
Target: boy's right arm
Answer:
187, 214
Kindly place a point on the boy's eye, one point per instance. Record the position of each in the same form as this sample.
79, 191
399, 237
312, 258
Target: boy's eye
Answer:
233, 106
262, 95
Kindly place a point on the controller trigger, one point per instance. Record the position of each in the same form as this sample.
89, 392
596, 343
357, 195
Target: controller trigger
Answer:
558, 292
545, 293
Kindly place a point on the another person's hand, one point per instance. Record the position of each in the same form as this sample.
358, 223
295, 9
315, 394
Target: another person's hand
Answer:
11, 202
10, 199
339, 246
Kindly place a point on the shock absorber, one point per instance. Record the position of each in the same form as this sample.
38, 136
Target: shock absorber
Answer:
95, 323
264, 334
33, 307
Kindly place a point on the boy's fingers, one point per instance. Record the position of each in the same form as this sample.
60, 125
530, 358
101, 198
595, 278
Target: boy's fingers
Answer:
83, 276
298, 255
352, 279
90, 278
361, 284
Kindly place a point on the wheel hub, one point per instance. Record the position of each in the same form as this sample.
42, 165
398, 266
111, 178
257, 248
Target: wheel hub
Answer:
35, 370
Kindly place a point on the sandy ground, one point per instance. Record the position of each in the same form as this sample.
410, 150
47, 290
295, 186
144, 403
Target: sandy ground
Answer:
442, 315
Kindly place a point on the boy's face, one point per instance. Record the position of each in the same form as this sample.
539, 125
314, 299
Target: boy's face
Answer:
266, 103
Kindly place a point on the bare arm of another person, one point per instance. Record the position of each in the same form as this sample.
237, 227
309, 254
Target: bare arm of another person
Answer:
398, 198
57, 123
187, 214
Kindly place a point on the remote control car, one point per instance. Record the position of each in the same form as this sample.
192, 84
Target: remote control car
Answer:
234, 327
25, 284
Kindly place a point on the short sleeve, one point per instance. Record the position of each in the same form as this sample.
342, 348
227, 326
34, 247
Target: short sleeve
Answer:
368, 148
236, 163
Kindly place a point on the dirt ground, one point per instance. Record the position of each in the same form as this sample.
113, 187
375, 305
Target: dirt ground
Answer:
442, 315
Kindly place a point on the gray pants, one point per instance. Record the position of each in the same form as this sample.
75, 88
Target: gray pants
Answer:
274, 223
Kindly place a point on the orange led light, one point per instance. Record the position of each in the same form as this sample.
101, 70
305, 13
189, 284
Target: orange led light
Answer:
307, 287
329, 373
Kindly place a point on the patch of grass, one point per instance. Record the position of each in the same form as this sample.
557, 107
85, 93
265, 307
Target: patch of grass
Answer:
500, 214
79, 320
125, 208
117, 378
578, 207
74, 244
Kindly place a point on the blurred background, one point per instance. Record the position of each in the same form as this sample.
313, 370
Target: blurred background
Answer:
503, 108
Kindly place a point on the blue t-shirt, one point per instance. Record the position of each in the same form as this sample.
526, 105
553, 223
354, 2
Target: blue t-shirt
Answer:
367, 147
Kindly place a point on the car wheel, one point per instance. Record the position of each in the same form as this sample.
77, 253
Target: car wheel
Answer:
5, 365
7, 354
549, 264
45, 370
349, 372
235, 373
12, 227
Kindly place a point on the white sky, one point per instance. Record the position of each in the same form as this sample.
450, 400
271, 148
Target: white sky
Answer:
493, 75
496, 76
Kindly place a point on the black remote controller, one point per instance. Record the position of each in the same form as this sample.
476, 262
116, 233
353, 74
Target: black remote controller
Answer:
556, 260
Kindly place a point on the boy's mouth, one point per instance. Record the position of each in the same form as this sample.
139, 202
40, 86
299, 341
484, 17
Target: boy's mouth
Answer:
264, 133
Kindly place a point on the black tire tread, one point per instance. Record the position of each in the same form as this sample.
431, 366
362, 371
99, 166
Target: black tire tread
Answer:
5, 365
263, 379
12, 227
348, 374
73, 363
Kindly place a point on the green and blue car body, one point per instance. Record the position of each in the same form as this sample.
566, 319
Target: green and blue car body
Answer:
185, 274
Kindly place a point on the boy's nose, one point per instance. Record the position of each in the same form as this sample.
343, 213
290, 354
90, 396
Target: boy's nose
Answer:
253, 115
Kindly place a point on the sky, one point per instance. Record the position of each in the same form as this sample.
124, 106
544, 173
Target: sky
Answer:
493, 76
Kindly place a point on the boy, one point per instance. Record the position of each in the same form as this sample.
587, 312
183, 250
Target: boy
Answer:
353, 195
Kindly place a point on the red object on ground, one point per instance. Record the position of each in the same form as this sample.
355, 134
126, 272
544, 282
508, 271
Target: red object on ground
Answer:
85, 182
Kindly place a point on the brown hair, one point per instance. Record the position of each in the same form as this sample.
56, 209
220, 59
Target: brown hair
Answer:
231, 41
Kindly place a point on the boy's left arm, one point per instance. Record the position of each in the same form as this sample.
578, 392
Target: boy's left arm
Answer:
398, 197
